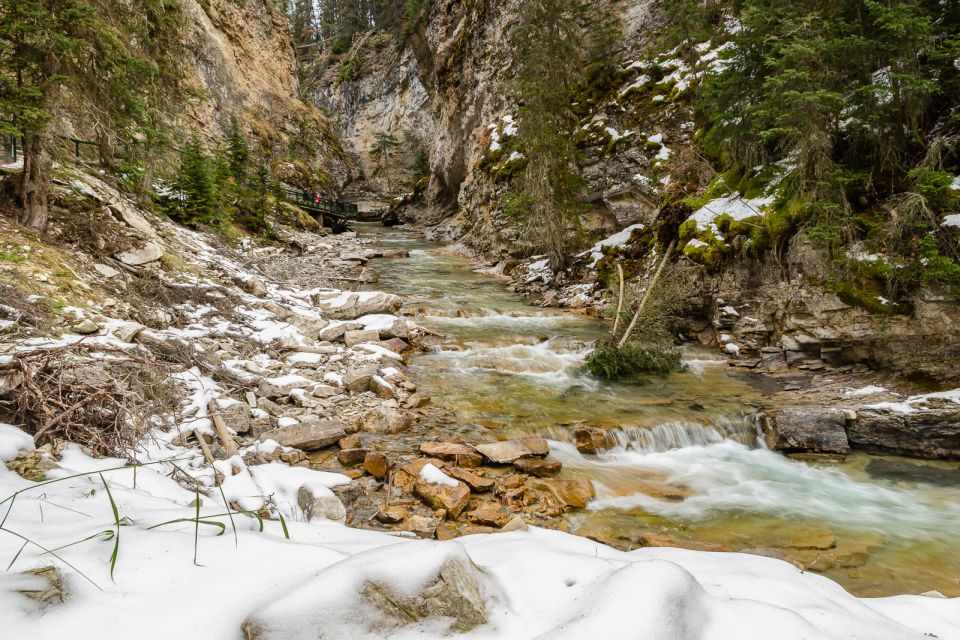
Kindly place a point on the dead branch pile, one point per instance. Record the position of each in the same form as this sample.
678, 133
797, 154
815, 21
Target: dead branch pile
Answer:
99, 398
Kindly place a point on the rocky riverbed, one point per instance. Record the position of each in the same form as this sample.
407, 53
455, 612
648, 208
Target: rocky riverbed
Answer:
444, 405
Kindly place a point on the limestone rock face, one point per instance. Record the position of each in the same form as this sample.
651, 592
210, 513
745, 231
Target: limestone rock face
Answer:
806, 429
307, 436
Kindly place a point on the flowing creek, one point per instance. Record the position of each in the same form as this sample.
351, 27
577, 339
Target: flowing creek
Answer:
688, 466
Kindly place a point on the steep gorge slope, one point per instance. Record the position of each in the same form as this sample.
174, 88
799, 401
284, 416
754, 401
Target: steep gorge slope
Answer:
791, 304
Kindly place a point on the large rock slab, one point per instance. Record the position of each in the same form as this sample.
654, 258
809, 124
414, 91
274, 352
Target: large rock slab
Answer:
149, 252
350, 306
308, 436
509, 451
461, 454
806, 429
574, 493
926, 433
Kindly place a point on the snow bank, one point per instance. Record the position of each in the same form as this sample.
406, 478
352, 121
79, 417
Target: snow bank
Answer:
618, 239
911, 404
545, 584
735, 206
534, 584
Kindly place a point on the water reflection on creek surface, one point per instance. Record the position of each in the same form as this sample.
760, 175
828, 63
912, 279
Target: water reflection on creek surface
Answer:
688, 466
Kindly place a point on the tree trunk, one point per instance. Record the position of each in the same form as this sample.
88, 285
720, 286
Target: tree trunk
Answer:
105, 147
34, 188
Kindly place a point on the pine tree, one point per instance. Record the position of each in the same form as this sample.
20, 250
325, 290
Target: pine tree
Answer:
197, 184
382, 149
548, 70
238, 151
50, 49
421, 165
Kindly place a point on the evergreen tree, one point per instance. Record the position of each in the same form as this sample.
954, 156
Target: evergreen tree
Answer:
382, 149
547, 73
421, 165
50, 49
238, 151
197, 184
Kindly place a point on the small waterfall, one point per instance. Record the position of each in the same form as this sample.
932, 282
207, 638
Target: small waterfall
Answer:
667, 436
678, 435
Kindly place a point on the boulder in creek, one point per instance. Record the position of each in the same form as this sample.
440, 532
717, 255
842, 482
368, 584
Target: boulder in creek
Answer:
806, 429
417, 400
382, 388
397, 345
350, 306
391, 514
453, 498
149, 252
307, 436
318, 501
590, 440
509, 451
575, 492
537, 466
927, 432
406, 476
461, 454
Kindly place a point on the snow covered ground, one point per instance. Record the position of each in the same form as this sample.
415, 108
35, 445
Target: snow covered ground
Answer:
533, 583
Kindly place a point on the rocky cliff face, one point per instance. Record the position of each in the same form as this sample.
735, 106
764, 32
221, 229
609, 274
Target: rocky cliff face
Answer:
450, 86
243, 57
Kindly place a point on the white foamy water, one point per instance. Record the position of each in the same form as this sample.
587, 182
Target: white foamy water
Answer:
541, 361
723, 477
